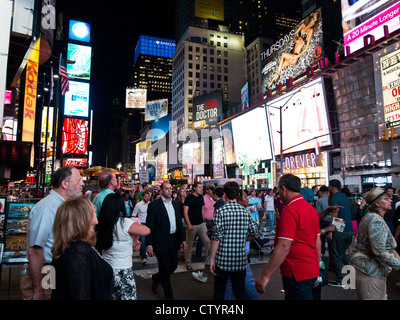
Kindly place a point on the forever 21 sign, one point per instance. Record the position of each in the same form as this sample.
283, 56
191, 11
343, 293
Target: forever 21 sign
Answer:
307, 160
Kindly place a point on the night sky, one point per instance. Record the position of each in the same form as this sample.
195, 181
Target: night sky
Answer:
115, 27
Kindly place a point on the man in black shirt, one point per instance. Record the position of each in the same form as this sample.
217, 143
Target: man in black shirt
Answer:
195, 224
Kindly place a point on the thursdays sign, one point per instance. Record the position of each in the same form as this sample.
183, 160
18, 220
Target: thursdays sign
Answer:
291, 56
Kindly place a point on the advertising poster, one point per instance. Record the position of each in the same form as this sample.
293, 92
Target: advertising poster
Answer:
218, 160
206, 110
5, 25
251, 136
390, 70
156, 109
162, 166
366, 17
227, 138
75, 136
136, 98
79, 31
77, 99
10, 119
193, 159
304, 117
32, 71
82, 55
291, 55
210, 9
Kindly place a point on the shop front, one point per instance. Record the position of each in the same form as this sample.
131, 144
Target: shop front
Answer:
310, 167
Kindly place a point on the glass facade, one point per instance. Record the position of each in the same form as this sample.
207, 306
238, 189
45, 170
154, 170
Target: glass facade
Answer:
159, 47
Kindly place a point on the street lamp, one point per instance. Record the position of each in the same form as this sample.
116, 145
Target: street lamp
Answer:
280, 125
119, 166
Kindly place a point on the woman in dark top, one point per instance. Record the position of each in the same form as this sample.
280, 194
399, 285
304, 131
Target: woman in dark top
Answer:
81, 273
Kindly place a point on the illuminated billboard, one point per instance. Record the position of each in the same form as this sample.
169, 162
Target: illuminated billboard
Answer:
228, 143
75, 136
79, 30
156, 109
291, 55
77, 99
251, 136
153, 46
305, 123
389, 67
32, 72
210, 9
136, 98
366, 18
206, 110
82, 55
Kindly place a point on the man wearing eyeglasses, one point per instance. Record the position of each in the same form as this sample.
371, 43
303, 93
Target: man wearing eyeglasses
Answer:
67, 184
164, 219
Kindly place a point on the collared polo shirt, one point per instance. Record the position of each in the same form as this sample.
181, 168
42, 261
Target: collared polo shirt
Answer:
99, 198
299, 223
40, 223
208, 208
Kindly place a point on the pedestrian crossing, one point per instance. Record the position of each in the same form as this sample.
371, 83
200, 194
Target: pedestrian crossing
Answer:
145, 270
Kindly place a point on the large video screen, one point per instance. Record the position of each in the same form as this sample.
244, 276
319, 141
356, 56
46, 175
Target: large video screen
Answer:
79, 30
82, 55
305, 123
251, 136
366, 17
77, 99
75, 136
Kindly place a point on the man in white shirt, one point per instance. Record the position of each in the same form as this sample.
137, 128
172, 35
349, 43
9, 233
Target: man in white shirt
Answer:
164, 219
269, 207
140, 211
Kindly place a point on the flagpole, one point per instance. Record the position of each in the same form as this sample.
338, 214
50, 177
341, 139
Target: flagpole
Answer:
47, 132
55, 117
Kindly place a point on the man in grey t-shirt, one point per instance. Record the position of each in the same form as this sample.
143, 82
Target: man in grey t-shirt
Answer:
67, 184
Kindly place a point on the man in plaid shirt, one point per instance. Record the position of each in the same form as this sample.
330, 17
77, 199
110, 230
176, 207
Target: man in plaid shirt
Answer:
232, 226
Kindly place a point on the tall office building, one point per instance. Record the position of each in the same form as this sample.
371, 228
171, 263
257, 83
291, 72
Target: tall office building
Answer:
206, 61
253, 18
153, 67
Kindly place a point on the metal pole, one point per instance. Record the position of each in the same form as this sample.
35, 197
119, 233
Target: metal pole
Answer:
281, 138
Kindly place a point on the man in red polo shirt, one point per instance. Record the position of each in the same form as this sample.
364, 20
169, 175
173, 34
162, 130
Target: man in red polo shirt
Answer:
297, 244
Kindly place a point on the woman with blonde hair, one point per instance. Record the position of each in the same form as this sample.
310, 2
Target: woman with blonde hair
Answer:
81, 273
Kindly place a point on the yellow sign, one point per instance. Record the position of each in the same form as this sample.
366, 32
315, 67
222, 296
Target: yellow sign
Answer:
210, 9
32, 68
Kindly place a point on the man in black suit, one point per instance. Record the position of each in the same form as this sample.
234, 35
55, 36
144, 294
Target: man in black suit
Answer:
164, 218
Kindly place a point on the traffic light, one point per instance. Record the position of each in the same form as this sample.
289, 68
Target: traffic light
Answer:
385, 134
393, 133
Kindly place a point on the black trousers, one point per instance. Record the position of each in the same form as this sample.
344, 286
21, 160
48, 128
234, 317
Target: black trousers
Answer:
238, 284
167, 264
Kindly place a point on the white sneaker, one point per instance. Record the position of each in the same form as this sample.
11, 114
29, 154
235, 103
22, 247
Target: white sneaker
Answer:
200, 276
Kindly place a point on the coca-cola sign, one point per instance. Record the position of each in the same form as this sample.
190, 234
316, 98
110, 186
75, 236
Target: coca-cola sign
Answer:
75, 136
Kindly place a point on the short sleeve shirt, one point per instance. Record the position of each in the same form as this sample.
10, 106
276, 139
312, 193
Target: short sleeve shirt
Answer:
40, 223
195, 211
299, 223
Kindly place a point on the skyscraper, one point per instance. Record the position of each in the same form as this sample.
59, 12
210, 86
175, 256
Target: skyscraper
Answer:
153, 66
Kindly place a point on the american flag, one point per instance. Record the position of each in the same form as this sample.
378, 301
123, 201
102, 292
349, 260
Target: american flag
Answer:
64, 76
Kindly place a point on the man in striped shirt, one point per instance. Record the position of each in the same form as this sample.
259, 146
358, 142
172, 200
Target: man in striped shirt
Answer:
232, 226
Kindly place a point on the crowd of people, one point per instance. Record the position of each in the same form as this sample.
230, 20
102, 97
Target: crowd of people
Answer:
90, 238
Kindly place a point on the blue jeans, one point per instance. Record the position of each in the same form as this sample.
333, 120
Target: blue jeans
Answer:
271, 220
250, 287
142, 239
341, 241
